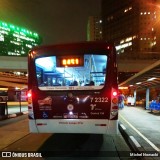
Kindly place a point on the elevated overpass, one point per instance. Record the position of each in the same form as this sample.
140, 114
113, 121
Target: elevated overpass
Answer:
12, 63
9, 64
11, 80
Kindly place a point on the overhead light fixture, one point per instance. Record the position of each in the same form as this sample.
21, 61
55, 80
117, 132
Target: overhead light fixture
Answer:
150, 79
122, 87
138, 82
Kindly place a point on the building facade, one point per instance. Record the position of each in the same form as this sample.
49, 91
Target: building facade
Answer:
134, 27
16, 41
94, 28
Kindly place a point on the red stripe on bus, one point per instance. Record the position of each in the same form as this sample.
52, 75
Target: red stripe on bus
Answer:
100, 125
40, 124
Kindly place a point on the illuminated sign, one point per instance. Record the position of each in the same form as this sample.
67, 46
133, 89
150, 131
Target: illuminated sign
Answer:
16, 41
71, 61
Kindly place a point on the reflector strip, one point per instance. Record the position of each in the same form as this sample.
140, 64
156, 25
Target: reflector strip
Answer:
41, 124
114, 107
100, 125
29, 107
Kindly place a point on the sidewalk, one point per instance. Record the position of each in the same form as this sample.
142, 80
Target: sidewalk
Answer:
140, 128
14, 109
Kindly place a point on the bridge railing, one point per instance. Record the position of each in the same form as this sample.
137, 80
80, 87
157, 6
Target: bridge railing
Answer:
12, 75
9, 77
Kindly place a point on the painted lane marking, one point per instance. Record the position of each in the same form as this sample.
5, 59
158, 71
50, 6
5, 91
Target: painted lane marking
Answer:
123, 127
135, 141
145, 138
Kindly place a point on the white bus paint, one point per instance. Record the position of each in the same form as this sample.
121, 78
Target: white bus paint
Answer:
73, 126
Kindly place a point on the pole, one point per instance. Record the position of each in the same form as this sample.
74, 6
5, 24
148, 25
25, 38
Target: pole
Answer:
20, 100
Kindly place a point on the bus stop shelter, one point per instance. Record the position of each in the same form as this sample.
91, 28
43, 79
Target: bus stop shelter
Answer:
146, 79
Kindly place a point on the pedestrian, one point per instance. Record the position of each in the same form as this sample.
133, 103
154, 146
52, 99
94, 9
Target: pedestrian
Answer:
121, 101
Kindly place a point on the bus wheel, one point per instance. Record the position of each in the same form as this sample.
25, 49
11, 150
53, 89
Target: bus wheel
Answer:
1, 99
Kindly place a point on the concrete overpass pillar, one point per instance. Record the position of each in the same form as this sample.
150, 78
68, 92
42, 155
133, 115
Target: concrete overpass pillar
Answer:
147, 99
135, 94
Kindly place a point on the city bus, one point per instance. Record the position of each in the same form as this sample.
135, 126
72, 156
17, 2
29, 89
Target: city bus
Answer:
72, 88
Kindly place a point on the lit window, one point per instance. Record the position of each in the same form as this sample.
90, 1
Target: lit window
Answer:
134, 37
1, 38
150, 79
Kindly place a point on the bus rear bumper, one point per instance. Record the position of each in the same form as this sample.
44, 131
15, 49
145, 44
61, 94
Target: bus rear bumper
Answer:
90, 126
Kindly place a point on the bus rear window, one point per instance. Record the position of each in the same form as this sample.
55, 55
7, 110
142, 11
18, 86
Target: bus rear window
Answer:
87, 72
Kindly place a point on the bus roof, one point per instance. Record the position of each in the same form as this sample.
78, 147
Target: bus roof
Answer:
94, 45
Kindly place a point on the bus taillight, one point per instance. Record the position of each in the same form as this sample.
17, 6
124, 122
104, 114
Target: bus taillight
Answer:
115, 100
114, 103
29, 95
30, 105
114, 97
114, 93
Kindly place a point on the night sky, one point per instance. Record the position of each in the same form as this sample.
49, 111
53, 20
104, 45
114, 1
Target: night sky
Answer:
55, 20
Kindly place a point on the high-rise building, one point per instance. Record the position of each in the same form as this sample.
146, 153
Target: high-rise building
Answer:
94, 28
16, 41
134, 27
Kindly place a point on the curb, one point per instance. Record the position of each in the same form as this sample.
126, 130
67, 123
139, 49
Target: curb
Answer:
132, 142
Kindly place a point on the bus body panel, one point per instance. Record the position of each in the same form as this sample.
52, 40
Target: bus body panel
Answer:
81, 106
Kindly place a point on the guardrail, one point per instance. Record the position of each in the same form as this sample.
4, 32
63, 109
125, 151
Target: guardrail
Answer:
12, 75
13, 78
